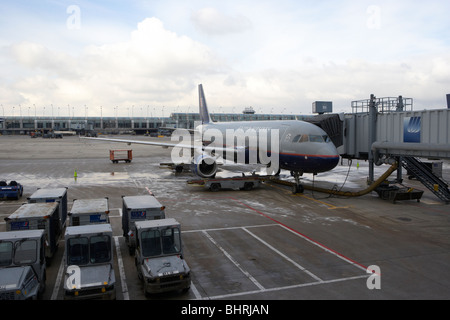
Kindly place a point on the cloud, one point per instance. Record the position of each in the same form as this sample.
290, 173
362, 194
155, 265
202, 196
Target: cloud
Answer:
423, 78
35, 56
213, 22
273, 58
153, 51
154, 66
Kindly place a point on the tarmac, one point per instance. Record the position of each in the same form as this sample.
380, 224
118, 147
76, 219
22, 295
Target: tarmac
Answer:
262, 244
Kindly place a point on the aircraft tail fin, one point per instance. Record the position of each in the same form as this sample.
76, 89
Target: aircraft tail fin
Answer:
203, 108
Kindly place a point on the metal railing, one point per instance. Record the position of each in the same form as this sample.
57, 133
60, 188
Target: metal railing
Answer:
386, 104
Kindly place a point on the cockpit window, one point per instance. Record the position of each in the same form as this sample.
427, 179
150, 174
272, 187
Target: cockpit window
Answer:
300, 138
304, 138
314, 138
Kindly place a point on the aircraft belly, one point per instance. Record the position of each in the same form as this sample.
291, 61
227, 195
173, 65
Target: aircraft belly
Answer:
308, 163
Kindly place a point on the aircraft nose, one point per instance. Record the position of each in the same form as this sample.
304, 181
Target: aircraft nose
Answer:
330, 156
332, 149
328, 150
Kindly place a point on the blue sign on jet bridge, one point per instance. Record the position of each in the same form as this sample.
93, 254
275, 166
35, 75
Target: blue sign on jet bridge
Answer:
411, 129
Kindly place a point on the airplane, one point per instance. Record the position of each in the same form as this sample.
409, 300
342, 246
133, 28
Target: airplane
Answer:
298, 146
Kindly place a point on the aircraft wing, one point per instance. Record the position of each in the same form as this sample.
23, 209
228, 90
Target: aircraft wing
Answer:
192, 131
169, 145
152, 143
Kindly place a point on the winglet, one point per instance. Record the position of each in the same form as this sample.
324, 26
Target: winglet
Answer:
203, 108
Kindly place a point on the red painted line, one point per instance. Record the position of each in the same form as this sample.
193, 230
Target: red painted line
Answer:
285, 226
149, 191
302, 235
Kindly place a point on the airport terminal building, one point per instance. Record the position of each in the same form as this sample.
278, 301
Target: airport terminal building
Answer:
116, 125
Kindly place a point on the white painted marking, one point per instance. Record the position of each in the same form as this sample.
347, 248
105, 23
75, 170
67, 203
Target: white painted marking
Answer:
248, 275
58, 278
231, 228
197, 294
326, 249
121, 270
283, 255
226, 296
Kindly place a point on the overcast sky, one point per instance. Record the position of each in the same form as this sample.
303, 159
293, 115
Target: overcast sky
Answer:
142, 58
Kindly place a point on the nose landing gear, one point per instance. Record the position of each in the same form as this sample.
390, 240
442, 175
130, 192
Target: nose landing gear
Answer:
297, 187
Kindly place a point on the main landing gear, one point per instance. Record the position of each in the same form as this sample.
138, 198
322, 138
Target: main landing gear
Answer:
297, 187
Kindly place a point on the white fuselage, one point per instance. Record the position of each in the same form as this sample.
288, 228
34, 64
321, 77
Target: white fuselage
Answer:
300, 146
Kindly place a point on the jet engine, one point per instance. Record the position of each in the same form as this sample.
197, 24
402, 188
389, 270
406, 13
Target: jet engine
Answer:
204, 166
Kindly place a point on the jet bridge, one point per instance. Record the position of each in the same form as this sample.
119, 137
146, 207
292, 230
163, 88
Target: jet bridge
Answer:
411, 133
385, 130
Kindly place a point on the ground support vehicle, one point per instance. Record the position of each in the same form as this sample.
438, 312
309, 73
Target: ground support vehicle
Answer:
89, 263
178, 168
35, 216
89, 211
120, 155
13, 190
394, 193
22, 264
138, 208
159, 257
53, 195
216, 184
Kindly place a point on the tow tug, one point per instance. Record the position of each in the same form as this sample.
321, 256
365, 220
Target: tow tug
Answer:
11, 190
89, 263
22, 265
159, 256
242, 183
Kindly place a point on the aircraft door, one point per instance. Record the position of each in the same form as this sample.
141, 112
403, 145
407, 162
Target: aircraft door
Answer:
285, 137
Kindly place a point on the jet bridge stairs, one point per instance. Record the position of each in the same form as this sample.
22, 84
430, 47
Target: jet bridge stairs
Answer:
423, 173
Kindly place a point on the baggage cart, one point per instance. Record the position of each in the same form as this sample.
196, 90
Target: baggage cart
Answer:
38, 216
89, 211
47, 195
138, 208
120, 155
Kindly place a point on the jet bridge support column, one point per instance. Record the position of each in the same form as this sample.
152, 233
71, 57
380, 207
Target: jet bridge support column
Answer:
372, 134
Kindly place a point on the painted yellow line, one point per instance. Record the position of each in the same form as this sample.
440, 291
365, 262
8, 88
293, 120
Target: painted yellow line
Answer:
330, 206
